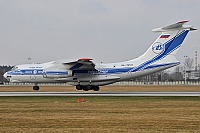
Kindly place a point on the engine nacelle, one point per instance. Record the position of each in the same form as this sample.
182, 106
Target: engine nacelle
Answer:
57, 73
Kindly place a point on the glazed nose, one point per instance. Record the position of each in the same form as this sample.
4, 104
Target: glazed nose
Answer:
7, 76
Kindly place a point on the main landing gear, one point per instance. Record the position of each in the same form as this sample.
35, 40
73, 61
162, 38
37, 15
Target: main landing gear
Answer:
88, 87
78, 87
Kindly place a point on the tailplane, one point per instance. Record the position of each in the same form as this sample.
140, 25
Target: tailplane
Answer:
168, 42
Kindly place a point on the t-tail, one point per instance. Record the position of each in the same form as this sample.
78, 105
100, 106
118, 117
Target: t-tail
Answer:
162, 52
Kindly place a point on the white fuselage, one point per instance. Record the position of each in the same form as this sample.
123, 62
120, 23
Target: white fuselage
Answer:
105, 74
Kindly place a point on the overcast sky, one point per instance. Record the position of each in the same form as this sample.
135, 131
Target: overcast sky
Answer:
105, 30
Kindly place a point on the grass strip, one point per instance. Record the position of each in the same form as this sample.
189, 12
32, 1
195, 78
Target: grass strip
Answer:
99, 114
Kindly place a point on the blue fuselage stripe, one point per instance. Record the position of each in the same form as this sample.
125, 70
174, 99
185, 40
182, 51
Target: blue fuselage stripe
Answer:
100, 70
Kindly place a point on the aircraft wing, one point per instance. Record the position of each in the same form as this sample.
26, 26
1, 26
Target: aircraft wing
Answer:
80, 64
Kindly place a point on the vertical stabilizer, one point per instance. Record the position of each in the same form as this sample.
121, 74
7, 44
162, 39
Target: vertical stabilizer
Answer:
168, 42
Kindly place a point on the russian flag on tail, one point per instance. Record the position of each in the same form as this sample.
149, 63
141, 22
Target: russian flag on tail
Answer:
164, 36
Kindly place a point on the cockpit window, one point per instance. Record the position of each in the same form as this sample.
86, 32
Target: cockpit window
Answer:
14, 68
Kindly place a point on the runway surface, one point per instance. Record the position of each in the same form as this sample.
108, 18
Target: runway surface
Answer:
100, 94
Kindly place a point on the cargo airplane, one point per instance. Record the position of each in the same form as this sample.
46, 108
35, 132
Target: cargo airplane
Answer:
87, 75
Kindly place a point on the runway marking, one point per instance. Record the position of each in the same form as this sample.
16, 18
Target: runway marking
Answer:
197, 94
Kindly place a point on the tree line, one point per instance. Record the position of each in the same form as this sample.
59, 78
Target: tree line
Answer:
4, 69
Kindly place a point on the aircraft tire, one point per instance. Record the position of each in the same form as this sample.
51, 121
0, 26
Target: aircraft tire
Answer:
79, 87
96, 88
85, 88
89, 87
36, 88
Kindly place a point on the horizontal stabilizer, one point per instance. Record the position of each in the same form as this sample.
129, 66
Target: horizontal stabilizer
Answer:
177, 26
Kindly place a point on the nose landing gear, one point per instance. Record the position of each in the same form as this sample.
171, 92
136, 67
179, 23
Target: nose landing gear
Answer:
36, 88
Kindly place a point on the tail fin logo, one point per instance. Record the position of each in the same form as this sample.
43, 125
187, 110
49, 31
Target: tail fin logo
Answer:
158, 48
